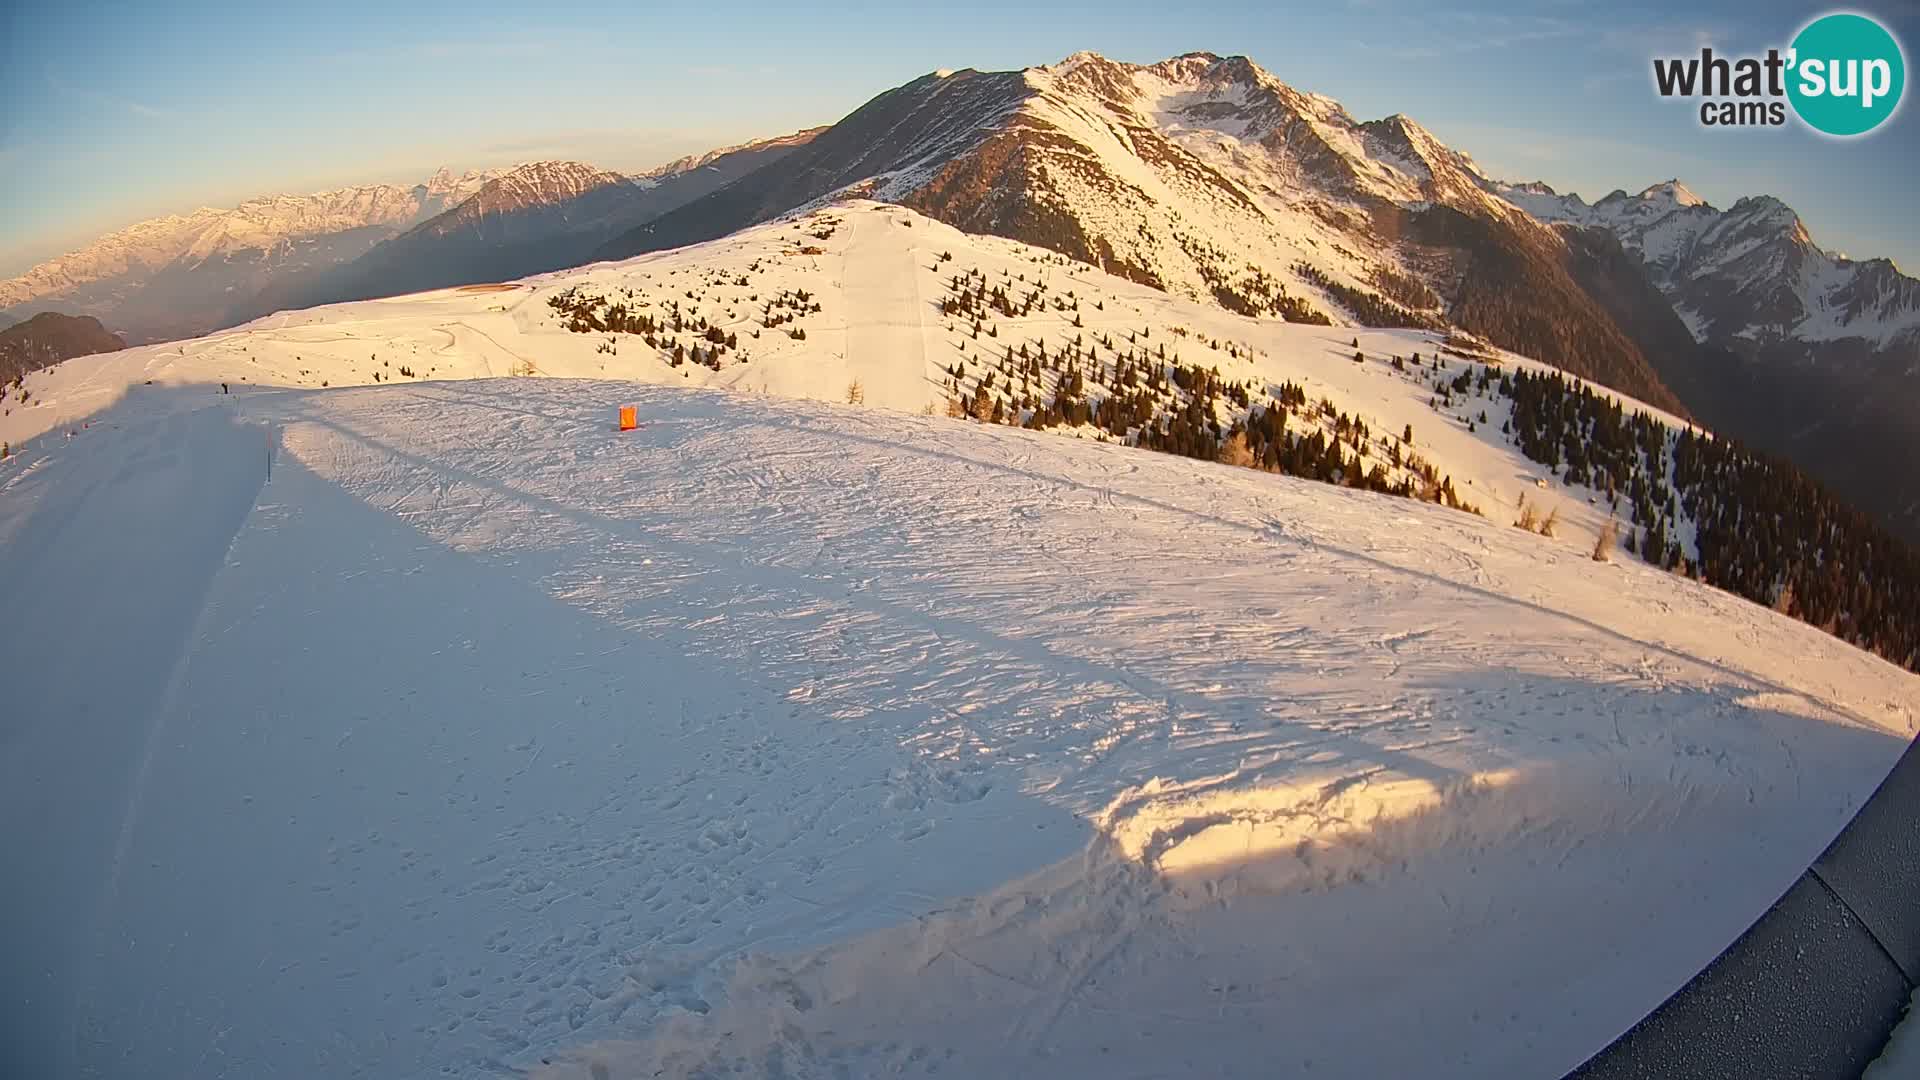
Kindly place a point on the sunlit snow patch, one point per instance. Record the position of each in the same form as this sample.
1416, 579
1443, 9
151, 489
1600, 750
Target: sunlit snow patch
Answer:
1200, 829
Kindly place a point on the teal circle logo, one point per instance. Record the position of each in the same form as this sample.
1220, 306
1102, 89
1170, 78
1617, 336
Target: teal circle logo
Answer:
1847, 74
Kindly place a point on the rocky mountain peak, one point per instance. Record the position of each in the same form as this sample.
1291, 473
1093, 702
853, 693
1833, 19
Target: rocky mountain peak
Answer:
1673, 192
708, 157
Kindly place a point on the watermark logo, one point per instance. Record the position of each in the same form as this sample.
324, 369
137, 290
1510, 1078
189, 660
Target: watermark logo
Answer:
1850, 73
1843, 75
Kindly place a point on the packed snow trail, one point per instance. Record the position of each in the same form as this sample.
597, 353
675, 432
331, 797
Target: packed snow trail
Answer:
785, 738
101, 588
887, 345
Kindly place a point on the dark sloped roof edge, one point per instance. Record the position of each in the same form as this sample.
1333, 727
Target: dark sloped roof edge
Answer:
1815, 986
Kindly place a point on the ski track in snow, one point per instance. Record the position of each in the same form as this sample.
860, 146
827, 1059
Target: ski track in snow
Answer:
121, 557
788, 739
882, 281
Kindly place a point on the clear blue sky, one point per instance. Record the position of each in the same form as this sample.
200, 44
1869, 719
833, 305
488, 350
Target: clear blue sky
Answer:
113, 113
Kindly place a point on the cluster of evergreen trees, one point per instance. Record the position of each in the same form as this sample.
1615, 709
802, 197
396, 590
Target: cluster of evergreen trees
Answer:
1761, 528
971, 296
787, 307
584, 311
1371, 309
1256, 293
1138, 392
1407, 291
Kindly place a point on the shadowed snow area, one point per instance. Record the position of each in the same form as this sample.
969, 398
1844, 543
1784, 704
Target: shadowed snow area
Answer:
780, 738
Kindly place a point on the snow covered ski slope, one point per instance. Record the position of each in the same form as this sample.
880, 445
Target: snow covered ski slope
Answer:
850, 293
790, 738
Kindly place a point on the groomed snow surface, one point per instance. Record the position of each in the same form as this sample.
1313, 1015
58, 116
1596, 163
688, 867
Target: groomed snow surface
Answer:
781, 738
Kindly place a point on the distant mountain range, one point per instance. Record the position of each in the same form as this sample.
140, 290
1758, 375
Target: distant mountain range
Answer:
183, 275
541, 216
179, 275
1750, 278
1201, 175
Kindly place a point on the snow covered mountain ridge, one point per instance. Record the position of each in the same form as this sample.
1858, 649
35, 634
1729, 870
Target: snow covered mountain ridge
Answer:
1209, 178
180, 274
701, 160
1212, 179
534, 184
1750, 276
1751, 273
1198, 98
1205, 136
257, 223
1205, 175
267, 220
533, 219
